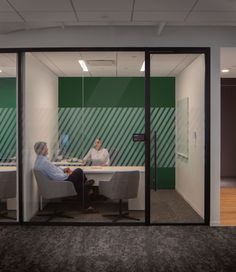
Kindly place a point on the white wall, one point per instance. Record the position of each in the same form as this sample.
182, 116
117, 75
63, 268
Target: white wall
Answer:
190, 171
146, 36
40, 123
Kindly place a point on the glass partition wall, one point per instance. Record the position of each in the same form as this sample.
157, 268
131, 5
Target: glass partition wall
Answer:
8, 139
84, 113
177, 138
84, 138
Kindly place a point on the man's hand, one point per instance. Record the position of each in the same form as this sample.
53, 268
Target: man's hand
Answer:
68, 171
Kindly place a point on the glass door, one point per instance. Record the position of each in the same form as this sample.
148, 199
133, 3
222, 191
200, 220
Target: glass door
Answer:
177, 136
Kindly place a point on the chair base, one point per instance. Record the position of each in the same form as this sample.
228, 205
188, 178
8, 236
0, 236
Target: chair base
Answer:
120, 217
5, 216
55, 214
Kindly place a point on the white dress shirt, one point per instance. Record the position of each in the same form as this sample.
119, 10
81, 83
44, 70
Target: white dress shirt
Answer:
43, 164
98, 157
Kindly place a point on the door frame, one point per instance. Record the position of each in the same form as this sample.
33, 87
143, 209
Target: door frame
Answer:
177, 50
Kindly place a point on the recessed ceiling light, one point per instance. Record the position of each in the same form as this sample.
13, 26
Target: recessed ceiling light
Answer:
83, 65
225, 70
0, 71
143, 67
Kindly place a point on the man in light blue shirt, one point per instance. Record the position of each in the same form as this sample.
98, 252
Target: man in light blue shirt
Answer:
53, 172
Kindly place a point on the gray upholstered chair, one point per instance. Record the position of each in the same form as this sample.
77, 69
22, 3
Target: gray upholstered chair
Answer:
123, 185
7, 189
53, 189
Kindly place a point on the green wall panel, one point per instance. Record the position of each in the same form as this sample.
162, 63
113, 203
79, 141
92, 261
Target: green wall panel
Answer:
7, 119
163, 92
115, 92
70, 92
7, 92
165, 178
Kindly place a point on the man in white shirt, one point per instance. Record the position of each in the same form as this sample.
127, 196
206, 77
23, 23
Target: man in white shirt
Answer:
53, 172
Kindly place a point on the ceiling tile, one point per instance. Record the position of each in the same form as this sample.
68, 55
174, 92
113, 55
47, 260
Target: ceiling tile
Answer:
9, 17
103, 5
104, 16
163, 5
42, 5
9, 27
208, 17
159, 16
4, 6
98, 55
49, 16
215, 5
43, 24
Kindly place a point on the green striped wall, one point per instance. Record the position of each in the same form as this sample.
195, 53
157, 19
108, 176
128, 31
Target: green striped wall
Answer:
7, 119
115, 126
113, 109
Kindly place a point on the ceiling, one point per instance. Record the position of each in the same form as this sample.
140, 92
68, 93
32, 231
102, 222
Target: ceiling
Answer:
115, 63
108, 64
22, 15
228, 61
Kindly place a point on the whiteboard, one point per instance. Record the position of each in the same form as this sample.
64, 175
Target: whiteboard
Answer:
182, 127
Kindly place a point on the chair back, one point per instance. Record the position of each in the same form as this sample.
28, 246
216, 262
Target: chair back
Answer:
51, 189
7, 184
124, 185
42, 181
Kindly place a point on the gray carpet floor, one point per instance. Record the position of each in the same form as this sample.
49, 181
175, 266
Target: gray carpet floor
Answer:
167, 206
84, 249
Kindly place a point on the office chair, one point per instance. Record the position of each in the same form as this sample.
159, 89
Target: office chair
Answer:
7, 190
53, 189
123, 185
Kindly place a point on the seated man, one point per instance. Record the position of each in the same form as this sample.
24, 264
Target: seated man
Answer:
77, 176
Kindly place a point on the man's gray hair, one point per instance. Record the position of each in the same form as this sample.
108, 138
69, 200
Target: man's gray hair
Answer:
38, 147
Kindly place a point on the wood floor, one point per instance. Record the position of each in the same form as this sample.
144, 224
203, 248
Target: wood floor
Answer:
228, 207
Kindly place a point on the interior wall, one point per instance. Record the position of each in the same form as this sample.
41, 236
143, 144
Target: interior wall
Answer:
40, 123
228, 127
190, 171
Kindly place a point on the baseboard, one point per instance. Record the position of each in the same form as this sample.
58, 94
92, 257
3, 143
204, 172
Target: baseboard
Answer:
215, 224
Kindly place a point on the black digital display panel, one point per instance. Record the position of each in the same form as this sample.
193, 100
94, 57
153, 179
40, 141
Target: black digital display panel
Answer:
138, 137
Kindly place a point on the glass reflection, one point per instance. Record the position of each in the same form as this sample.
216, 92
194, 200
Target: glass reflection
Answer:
85, 117
8, 158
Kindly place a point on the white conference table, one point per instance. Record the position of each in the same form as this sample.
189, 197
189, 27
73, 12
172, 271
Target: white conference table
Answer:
105, 173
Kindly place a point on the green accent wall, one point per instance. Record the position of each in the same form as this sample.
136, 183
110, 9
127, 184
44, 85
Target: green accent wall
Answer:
7, 119
104, 97
115, 92
7, 92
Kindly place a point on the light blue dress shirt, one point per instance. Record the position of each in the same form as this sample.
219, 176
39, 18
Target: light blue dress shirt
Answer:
43, 164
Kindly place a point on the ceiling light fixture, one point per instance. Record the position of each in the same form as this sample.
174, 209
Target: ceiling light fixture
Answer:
143, 67
0, 71
83, 65
225, 70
